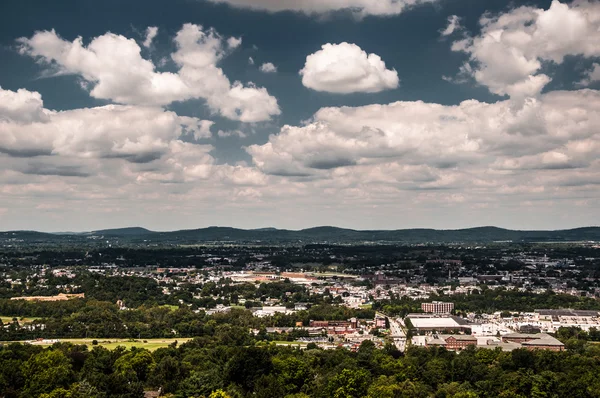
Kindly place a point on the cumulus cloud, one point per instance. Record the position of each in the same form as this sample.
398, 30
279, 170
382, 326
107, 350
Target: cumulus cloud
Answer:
151, 33
234, 42
121, 153
555, 132
358, 7
453, 25
268, 67
134, 157
101, 62
22, 106
133, 133
592, 75
509, 53
231, 133
345, 68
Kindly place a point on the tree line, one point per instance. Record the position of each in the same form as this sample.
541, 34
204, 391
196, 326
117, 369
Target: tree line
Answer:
231, 363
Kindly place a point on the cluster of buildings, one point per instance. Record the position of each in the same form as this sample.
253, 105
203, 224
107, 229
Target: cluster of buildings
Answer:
435, 326
542, 320
329, 334
520, 330
508, 342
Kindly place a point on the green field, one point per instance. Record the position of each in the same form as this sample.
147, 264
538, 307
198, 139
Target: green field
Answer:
9, 319
290, 343
149, 344
171, 307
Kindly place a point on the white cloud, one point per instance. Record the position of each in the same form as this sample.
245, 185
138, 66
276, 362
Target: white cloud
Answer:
241, 175
268, 67
151, 33
359, 7
555, 132
199, 128
231, 133
592, 75
198, 52
453, 25
22, 106
234, 42
112, 145
346, 68
250, 61
508, 55
379, 166
135, 134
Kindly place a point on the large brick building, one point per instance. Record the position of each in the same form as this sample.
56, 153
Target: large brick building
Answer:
437, 307
454, 342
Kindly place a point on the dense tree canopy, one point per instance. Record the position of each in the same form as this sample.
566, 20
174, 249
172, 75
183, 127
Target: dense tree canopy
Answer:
236, 368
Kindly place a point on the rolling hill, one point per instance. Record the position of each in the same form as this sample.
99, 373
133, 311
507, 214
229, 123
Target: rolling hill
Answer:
310, 235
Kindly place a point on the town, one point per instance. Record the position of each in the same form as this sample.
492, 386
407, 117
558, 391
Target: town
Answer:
401, 295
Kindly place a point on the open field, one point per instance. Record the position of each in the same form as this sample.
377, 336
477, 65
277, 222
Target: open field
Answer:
171, 307
9, 319
149, 344
290, 343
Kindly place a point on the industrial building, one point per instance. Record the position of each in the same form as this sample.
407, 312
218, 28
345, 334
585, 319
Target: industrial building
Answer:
423, 323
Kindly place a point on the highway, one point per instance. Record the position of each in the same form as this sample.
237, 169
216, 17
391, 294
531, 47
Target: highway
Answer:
397, 333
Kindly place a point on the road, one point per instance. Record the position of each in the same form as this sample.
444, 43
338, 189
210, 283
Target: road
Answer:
397, 333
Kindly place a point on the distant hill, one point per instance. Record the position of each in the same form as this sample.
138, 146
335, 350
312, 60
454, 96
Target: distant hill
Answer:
311, 235
131, 231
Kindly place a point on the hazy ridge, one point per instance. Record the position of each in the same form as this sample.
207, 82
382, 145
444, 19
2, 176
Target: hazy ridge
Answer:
317, 234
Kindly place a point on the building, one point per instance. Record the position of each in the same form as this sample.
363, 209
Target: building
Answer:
454, 342
326, 324
551, 320
380, 322
300, 306
538, 341
423, 323
270, 311
555, 315
437, 307
459, 341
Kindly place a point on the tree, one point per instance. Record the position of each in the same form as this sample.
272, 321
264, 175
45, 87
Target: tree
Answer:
384, 387
84, 390
292, 372
219, 394
167, 374
137, 364
246, 365
45, 372
200, 383
350, 383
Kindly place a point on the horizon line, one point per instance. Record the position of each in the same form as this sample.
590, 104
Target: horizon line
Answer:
258, 229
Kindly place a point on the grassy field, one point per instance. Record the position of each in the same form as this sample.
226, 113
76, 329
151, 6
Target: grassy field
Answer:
291, 343
149, 344
171, 307
9, 319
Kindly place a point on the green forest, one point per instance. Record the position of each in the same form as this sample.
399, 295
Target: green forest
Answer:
231, 363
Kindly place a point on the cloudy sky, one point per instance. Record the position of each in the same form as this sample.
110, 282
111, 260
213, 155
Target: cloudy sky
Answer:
368, 114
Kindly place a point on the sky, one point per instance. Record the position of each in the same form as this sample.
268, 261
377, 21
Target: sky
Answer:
364, 114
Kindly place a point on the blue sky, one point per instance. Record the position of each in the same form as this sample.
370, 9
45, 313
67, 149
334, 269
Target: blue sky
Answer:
375, 114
